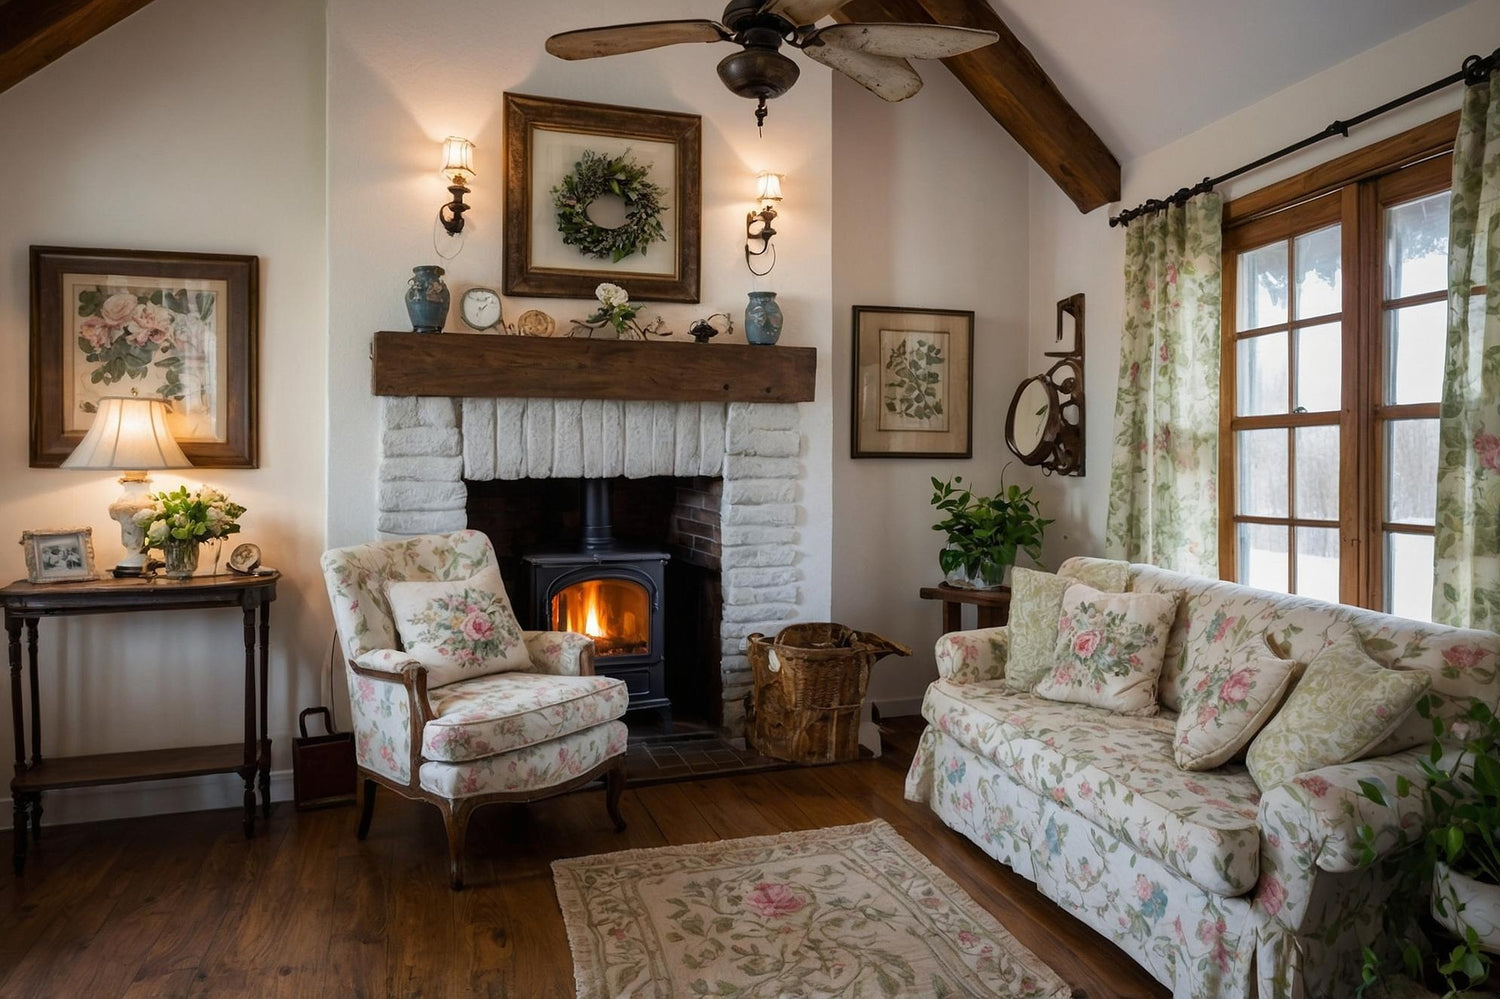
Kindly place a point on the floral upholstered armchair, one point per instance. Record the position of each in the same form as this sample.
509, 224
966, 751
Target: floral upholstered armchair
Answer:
541, 727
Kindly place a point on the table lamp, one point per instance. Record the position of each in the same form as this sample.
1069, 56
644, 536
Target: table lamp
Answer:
129, 434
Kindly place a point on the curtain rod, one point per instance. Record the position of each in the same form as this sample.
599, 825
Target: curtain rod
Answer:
1475, 70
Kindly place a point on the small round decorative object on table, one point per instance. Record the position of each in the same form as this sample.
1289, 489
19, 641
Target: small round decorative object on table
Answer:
480, 310
245, 558
427, 299
535, 322
762, 318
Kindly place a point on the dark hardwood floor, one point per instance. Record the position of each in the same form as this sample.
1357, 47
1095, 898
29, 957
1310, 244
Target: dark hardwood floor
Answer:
183, 905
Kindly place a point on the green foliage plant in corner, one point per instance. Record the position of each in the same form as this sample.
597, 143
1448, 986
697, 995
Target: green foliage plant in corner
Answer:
1461, 802
986, 532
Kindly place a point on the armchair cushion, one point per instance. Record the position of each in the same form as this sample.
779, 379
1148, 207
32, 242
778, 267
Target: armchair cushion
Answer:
459, 629
544, 765
502, 712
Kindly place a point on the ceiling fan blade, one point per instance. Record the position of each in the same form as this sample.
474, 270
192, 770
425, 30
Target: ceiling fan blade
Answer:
801, 12
903, 41
590, 43
887, 78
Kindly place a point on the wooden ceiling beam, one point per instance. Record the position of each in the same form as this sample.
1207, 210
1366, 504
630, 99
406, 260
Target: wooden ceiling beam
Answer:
34, 33
1017, 93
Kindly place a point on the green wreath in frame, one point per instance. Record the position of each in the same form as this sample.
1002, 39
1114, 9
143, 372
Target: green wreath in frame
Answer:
594, 176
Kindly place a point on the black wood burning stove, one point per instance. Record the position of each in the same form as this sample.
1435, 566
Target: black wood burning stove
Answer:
611, 593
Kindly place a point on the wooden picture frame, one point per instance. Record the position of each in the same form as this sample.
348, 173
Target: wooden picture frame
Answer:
60, 556
912, 394
544, 137
191, 336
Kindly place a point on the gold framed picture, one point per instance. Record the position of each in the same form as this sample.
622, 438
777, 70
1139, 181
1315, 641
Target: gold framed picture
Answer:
913, 387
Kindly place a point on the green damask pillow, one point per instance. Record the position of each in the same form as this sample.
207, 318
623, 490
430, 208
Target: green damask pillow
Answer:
1035, 607
1344, 706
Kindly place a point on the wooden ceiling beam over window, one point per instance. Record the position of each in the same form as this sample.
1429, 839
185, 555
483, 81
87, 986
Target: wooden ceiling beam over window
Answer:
1008, 83
33, 33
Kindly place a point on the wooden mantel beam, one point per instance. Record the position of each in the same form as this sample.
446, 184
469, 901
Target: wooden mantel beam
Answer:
34, 33
1013, 88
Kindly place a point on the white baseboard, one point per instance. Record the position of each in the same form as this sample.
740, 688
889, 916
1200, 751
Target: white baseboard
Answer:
159, 797
895, 707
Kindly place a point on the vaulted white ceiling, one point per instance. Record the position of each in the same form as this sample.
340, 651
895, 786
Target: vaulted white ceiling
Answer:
1144, 73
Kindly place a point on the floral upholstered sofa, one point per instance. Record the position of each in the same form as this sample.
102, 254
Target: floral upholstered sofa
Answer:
1214, 888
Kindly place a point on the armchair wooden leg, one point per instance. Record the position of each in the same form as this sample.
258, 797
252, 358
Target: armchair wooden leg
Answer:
367, 810
456, 820
614, 786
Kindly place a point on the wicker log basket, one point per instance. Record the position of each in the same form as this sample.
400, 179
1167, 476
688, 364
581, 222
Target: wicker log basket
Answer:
809, 690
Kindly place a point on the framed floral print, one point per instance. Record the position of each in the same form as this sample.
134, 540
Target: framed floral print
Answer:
913, 383
597, 192
182, 327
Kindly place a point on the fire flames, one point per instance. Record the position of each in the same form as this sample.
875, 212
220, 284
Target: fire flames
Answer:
615, 613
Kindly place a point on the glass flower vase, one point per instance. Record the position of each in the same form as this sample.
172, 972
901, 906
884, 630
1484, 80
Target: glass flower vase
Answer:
181, 557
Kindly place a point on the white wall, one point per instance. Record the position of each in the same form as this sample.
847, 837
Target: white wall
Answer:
1075, 253
399, 81
192, 125
929, 212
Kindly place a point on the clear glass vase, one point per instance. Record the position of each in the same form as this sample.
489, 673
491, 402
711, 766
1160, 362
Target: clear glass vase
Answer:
181, 557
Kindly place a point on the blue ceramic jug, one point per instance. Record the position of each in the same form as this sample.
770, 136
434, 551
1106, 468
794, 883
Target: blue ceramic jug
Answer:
427, 299
762, 318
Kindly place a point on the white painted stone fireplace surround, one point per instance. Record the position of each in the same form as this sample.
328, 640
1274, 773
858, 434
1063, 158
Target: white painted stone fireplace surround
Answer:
430, 445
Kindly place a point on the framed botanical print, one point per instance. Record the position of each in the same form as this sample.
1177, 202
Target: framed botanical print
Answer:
182, 327
913, 384
595, 193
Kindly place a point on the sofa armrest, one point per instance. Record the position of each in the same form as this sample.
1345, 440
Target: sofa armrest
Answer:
560, 653
392, 661
973, 656
1327, 814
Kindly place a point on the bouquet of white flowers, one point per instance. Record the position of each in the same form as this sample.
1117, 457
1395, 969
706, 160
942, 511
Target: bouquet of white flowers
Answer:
201, 515
614, 307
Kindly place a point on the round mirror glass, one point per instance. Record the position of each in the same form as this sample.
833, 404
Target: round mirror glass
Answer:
1031, 412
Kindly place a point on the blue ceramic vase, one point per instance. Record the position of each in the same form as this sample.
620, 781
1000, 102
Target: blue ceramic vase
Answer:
427, 299
762, 318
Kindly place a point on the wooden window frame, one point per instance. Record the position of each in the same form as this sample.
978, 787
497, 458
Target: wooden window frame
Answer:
1352, 191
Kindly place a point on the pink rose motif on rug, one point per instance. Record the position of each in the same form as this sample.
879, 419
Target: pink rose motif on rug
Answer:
847, 911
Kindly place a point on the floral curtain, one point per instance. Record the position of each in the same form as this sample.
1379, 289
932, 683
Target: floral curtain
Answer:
1163, 495
1467, 590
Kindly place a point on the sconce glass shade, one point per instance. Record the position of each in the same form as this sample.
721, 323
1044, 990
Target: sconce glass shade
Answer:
768, 186
128, 434
458, 159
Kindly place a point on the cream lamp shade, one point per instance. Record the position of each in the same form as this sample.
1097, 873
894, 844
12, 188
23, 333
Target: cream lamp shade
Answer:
768, 187
128, 434
458, 159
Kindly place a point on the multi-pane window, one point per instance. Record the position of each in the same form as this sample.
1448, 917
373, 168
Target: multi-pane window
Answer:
1335, 325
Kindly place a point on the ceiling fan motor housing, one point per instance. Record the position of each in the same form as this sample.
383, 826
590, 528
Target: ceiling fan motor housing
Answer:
758, 71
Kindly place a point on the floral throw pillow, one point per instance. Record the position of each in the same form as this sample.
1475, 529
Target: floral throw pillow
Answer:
1035, 605
459, 629
1227, 706
1109, 649
1344, 706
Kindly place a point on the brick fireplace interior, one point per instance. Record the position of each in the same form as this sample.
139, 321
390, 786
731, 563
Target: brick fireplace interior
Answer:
678, 517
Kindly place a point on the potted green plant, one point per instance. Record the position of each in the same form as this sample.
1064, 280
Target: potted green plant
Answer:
985, 532
1459, 859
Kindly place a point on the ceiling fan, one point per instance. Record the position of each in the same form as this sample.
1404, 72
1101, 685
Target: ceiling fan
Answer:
871, 54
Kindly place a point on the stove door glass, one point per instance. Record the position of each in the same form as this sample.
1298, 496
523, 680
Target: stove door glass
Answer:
615, 613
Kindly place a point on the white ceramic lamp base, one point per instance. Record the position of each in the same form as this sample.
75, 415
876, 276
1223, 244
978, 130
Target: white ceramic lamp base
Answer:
135, 498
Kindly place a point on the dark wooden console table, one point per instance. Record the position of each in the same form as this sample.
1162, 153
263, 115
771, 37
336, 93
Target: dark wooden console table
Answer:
27, 603
994, 605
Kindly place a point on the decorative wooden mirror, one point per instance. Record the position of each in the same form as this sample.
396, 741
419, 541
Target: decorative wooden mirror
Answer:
1044, 426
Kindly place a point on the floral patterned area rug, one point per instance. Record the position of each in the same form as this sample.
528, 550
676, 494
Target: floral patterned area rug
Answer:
847, 911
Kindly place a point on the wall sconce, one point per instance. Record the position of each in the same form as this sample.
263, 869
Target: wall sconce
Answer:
767, 190
458, 167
